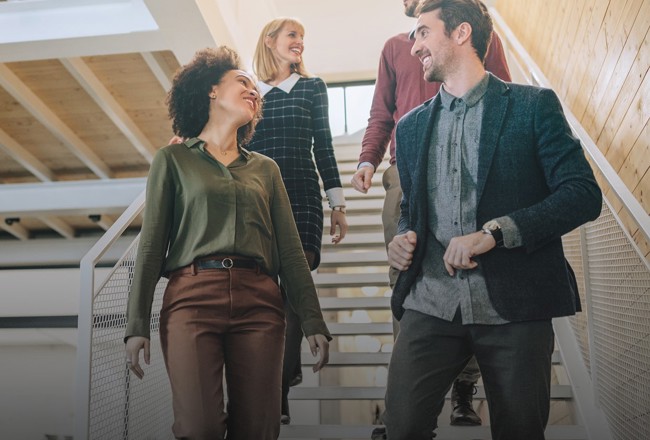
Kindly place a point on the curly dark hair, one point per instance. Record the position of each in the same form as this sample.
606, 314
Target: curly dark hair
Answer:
188, 101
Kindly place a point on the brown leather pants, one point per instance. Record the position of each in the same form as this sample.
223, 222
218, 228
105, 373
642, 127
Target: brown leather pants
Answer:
216, 318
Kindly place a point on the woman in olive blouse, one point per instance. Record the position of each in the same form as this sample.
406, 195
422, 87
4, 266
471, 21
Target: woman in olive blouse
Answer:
218, 224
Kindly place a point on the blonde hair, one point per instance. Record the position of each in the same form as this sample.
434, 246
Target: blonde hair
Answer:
265, 65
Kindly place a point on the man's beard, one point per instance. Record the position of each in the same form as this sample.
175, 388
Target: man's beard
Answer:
433, 74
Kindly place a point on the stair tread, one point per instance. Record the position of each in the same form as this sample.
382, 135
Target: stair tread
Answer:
377, 257
558, 392
354, 240
553, 432
368, 359
334, 280
366, 303
365, 204
350, 359
365, 328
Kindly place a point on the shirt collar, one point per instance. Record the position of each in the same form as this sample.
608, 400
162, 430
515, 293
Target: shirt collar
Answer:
199, 143
472, 96
285, 85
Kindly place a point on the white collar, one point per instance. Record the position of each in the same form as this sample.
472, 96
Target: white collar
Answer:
285, 85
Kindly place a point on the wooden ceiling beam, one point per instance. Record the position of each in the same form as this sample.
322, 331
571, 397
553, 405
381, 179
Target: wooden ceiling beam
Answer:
28, 99
159, 69
105, 100
10, 146
104, 221
14, 228
59, 226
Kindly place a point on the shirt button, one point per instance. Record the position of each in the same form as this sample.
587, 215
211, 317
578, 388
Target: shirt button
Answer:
455, 223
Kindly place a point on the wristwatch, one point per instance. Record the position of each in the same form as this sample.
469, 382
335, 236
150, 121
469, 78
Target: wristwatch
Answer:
494, 229
339, 208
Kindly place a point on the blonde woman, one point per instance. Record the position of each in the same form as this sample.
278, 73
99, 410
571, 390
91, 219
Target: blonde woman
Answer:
294, 131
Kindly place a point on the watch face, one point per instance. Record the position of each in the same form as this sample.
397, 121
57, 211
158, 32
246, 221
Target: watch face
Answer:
492, 225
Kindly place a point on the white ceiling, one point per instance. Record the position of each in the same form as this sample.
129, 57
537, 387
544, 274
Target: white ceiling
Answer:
343, 37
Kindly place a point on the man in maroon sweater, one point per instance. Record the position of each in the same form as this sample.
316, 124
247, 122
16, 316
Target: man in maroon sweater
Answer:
401, 87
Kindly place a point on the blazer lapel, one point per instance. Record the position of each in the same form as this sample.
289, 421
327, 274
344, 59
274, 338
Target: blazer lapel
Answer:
495, 107
424, 126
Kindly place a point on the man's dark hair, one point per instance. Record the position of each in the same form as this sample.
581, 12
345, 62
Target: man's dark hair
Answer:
455, 12
188, 101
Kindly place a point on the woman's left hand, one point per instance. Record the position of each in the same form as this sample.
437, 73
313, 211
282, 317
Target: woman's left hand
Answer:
318, 344
338, 219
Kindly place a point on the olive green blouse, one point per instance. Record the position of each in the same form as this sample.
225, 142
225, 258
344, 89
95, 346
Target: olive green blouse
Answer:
196, 206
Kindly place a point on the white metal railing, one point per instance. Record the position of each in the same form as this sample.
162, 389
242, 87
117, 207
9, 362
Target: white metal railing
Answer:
606, 349
106, 392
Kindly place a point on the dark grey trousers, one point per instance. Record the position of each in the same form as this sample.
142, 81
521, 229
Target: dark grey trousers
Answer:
515, 362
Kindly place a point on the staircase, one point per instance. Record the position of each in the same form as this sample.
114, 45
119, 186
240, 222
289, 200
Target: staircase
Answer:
346, 398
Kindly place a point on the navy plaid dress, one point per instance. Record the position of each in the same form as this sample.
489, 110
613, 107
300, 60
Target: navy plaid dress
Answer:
295, 125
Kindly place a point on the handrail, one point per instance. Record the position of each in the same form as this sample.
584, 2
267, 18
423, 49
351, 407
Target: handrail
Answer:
631, 203
85, 323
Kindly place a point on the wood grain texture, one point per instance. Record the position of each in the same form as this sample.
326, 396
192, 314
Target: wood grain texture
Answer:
596, 53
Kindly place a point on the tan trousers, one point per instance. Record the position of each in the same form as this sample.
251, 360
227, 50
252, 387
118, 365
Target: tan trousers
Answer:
217, 318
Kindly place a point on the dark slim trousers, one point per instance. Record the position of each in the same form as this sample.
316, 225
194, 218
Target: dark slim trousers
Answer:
292, 361
218, 318
515, 361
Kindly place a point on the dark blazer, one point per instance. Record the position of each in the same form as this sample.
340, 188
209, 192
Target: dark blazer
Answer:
531, 169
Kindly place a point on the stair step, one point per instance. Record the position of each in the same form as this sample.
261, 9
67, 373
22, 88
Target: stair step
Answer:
558, 392
365, 205
356, 223
364, 303
355, 240
353, 329
350, 167
347, 259
305, 432
334, 280
338, 359
374, 192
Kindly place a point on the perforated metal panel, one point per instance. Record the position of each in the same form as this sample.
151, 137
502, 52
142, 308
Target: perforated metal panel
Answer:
121, 405
618, 294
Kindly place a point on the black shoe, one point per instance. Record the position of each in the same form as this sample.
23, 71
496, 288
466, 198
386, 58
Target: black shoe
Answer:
379, 433
285, 419
463, 413
297, 380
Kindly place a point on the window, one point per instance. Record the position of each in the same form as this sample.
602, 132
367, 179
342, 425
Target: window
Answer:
349, 106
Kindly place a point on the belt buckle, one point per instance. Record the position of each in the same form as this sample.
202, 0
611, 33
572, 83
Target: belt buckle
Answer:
227, 263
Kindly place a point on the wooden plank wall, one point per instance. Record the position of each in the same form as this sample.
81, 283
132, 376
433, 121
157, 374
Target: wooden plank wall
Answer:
596, 53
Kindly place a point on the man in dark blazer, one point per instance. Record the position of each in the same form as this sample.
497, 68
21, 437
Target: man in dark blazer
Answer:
492, 178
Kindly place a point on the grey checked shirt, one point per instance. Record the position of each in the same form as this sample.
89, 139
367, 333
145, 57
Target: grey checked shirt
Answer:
451, 189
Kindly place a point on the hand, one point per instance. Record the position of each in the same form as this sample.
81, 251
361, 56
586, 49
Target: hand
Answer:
461, 249
318, 344
338, 218
400, 250
133, 346
176, 140
362, 179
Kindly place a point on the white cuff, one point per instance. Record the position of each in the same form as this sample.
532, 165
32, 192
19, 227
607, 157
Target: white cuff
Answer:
366, 164
335, 197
